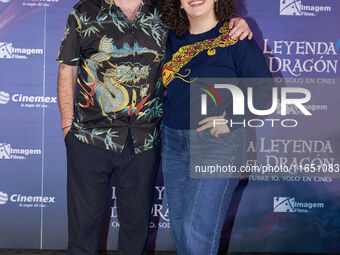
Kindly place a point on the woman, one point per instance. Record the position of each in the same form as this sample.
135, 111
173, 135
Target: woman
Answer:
199, 46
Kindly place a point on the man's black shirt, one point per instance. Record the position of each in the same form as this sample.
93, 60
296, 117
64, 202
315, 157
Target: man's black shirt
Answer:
119, 87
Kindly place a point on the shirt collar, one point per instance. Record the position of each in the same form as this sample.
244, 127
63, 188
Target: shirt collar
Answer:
108, 4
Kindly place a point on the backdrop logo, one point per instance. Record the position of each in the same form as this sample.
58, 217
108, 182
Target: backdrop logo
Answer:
289, 205
3, 198
296, 8
284, 204
4, 97
39, 3
29, 201
27, 101
6, 152
290, 7
7, 51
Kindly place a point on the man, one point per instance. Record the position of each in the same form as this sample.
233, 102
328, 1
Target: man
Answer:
113, 51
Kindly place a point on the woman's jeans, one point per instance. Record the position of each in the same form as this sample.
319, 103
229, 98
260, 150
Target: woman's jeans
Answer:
198, 200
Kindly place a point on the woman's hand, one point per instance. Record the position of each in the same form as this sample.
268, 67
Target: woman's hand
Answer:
239, 26
220, 127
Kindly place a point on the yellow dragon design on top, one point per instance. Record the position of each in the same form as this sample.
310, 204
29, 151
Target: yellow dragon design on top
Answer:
188, 52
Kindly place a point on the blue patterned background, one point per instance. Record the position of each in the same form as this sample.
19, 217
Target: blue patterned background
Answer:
32, 153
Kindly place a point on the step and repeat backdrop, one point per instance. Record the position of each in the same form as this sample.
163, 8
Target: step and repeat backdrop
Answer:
272, 212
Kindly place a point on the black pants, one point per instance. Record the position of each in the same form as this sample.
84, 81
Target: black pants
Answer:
89, 170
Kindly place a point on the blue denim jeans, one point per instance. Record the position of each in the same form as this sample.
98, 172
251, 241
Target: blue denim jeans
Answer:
198, 206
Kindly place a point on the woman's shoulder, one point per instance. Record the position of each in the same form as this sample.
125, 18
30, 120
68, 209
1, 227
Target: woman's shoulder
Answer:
245, 46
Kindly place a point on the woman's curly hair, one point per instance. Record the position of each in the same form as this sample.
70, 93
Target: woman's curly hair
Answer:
176, 19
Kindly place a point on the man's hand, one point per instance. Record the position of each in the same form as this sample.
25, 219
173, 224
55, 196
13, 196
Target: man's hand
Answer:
65, 131
66, 88
209, 123
239, 26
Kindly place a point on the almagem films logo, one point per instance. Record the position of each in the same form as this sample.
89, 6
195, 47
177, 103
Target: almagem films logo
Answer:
290, 205
7, 152
290, 7
8, 51
284, 204
296, 8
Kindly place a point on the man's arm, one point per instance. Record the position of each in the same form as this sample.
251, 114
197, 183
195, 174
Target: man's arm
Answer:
67, 79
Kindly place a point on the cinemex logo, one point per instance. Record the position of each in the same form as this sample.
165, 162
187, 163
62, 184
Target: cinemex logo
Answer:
34, 2
3, 198
27, 101
289, 205
4, 97
38, 3
296, 8
7, 51
26, 201
7, 152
